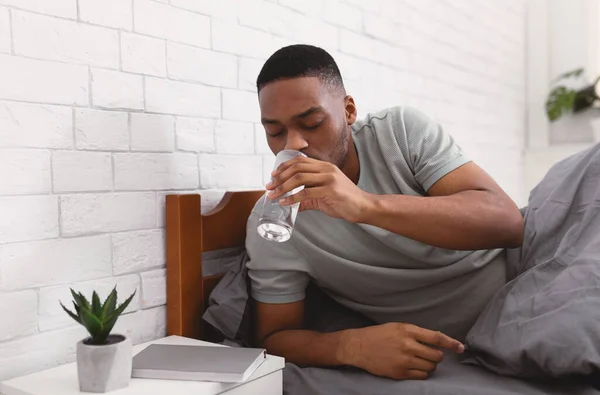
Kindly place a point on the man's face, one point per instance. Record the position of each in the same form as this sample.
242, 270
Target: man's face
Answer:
304, 115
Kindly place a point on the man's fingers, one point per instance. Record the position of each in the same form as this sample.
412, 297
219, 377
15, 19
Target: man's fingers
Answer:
299, 179
291, 171
421, 364
305, 194
439, 339
428, 353
414, 374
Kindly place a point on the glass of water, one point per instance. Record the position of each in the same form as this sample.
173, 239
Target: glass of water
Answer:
276, 222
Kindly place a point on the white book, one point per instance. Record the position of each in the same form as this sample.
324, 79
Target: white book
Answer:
197, 363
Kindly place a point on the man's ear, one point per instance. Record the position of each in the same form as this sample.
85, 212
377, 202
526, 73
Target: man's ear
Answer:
350, 107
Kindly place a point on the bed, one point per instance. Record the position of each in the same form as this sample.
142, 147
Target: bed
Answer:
192, 236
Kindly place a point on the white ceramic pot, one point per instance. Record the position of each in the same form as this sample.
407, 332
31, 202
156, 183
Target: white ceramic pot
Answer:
104, 368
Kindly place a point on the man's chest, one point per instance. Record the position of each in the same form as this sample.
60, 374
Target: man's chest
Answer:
334, 244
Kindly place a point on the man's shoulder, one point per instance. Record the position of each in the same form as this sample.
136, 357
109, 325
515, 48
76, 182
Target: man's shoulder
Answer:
396, 119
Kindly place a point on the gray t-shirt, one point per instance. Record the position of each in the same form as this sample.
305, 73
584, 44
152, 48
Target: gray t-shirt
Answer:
385, 276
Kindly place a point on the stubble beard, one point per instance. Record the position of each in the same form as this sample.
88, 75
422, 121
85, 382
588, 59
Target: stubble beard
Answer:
340, 153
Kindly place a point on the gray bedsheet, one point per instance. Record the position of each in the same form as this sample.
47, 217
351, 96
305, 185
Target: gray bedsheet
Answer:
451, 378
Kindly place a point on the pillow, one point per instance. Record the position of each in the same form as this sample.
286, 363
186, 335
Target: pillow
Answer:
546, 320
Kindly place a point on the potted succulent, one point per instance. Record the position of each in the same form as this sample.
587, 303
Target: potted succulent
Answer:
103, 359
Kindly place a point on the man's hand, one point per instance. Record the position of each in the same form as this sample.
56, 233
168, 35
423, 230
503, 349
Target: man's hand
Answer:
326, 188
396, 350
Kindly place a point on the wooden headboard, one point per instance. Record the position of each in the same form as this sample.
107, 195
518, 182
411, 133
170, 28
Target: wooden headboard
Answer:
189, 234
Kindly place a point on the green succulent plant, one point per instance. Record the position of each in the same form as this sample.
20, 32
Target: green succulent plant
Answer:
98, 318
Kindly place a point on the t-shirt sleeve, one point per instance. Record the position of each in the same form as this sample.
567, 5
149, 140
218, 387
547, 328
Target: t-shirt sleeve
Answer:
277, 271
433, 153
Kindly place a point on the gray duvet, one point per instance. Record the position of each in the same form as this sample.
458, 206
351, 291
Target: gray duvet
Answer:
546, 321
540, 334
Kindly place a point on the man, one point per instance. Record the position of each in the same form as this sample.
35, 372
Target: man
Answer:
396, 224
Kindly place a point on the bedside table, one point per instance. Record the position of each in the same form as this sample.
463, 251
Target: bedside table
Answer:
62, 380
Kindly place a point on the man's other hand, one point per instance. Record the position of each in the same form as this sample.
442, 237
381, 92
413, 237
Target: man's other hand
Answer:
396, 350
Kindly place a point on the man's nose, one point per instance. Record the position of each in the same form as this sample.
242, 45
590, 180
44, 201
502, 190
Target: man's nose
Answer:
295, 141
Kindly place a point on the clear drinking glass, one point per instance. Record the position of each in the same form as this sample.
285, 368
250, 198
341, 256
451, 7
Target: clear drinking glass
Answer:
276, 222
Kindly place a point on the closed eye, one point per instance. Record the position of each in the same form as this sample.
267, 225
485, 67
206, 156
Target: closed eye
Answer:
270, 135
311, 127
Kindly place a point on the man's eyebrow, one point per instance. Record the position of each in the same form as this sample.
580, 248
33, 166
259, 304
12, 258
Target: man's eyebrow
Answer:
306, 113
303, 114
269, 121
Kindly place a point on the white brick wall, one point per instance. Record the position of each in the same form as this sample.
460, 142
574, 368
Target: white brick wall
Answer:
228, 36
21, 307
111, 89
44, 37
49, 262
260, 140
248, 69
181, 98
109, 13
106, 106
138, 251
78, 171
91, 213
201, 65
227, 9
143, 54
28, 218
101, 130
5, 36
24, 172
229, 171
234, 137
62, 8
151, 132
240, 106
171, 23
195, 134
35, 126
155, 288
28, 354
156, 171
39, 81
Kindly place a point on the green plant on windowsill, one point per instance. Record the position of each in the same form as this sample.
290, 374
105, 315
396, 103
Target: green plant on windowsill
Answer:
98, 318
562, 99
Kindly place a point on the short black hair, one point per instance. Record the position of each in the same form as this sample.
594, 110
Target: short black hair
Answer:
301, 60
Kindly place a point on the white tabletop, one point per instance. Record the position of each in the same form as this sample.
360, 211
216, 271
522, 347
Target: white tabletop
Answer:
62, 380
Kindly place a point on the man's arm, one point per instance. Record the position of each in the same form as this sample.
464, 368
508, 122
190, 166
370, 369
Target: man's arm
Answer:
465, 210
394, 350
279, 330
